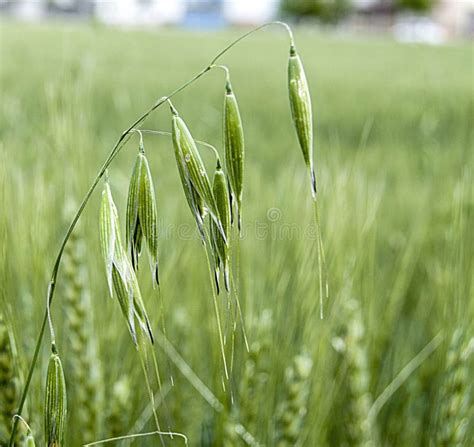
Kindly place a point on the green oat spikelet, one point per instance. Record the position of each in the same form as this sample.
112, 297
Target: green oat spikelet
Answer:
301, 111
119, 270
108, 236
55, 406
142, 220
195, 203
30, 441
292, 410
234, 146
219, 246
192, 171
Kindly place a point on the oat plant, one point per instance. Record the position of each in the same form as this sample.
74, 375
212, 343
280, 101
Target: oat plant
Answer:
219, 201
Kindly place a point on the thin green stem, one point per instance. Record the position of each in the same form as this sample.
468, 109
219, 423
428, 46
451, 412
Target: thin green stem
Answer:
138, 435
236, 288
50, 322
216, 309
147, 413
169, 134
148, 386
403, 375
323, 275
195, 381
239, 311
247, 34
119, 144
226, 70
16, 416
141, 146
188, 373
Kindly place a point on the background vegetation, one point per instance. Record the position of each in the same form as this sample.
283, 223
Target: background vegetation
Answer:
332, 11
394, 140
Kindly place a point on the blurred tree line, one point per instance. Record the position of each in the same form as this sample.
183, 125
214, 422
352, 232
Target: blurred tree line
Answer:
331, 11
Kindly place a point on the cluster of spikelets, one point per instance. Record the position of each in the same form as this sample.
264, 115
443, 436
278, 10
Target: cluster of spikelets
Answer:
217, 200
204, 198
455, 407
83, 363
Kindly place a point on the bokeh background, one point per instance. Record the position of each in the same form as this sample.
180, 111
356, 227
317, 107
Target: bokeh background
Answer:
392, 88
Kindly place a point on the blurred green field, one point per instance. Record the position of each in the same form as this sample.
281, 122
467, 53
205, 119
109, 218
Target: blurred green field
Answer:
394, 157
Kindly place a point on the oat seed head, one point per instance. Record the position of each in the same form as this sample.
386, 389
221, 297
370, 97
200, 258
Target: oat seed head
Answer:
194, 173
142, 219
301, 111
234, 147
219, 246
55, 407
30, 441
122, 274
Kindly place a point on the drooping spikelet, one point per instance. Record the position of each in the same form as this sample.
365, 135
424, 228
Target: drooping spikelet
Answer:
83, 361
30, 441
301, 111
55, 403
292, 409
194, 178
456, 394
121, 276
234, 147
142, 219
219, 246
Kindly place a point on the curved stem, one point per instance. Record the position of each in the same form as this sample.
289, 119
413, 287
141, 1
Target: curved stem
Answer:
50, 321
124, 137
138, 435
169, 134
226, 70
403, 375
17, 416
244, 36
141, 145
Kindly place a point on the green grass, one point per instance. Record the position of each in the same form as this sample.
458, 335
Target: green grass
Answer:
394, 146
